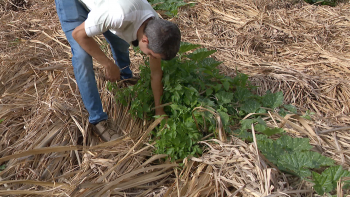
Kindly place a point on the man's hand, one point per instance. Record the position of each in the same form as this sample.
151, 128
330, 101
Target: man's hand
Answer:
112, 72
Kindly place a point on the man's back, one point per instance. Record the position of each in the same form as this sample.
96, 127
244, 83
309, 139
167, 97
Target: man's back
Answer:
122, 17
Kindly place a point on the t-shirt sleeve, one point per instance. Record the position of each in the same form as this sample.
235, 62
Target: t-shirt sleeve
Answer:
101, 20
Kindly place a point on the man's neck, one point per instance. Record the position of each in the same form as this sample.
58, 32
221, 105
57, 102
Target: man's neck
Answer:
140, 31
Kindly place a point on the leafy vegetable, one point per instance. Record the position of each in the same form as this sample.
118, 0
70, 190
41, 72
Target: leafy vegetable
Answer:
327, 181
293, 155
171, 6
197, 95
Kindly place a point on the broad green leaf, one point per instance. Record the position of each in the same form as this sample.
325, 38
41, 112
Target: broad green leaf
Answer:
272, 151
209, 91
291, 108
282, 112
260, 127
224, 97
291, 145
322, 183
247, 123
185, 47
171, 6
178, 87
209, 63
206, 102
244, 135
217, 87
297, 164
263, 138
261, 111
327, 181
242, 93
200, 54
272, 131
300, 163
226, 85
251, 106
241, 80
224, 117
319, 160
272, 100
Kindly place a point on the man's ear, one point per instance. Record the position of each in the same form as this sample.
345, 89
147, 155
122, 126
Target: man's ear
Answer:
144, 39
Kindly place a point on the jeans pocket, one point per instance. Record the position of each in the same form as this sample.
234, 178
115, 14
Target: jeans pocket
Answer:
71, 13
71, 10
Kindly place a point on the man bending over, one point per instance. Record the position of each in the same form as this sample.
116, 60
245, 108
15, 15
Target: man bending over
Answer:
122, 22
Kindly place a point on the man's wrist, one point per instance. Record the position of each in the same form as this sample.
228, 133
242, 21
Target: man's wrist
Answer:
159, 111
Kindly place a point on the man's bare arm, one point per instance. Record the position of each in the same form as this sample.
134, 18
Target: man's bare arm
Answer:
92, 48
156, 83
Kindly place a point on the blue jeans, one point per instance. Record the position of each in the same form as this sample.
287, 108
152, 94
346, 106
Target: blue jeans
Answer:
71, 14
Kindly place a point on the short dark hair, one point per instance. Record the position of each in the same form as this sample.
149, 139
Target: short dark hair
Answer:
164, 37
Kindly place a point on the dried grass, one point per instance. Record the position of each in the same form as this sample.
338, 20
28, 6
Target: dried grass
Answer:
49, 149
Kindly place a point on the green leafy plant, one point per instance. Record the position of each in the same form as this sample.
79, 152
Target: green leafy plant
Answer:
197, 97
186, 86
292, 155
323, 2
171, 6
308, 115
327, 180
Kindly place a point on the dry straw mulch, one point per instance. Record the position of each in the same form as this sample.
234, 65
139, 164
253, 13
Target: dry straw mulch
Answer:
49, 150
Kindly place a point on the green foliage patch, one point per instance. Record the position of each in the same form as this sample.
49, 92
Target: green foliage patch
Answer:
197, 95
327, 181
170, 6
323, 2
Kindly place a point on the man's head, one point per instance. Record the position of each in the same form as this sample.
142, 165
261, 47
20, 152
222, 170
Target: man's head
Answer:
161, 39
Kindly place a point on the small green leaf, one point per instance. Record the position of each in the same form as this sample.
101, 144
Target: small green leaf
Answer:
2, 167
244, 135
224, 97
282, 112
247, 123
206, 102
242, 93
251, 106
224, 117
209, 63
272, 131
200, 54
226, 85
209, 91
261, 111
291, 108
185, 47
308, 115
260, 127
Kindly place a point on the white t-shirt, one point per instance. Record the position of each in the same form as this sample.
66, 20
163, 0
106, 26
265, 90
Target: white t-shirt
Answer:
122, 17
